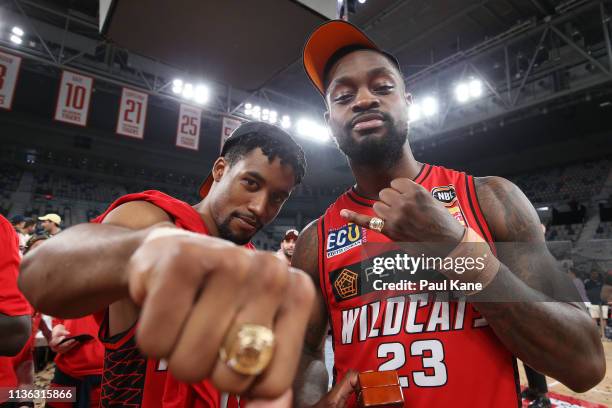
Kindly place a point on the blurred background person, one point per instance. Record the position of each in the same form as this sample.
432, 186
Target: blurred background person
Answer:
287, 245
51, 224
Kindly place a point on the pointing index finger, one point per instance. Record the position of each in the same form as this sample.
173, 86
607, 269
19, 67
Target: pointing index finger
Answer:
359, 219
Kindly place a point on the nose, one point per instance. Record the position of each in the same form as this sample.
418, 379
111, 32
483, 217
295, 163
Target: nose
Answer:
258, 204
365, 100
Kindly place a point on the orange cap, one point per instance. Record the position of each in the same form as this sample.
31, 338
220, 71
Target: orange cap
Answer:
323, 43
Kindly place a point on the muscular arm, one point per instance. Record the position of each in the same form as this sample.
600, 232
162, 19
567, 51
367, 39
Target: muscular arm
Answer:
15, 333
554, 337
310, 384
82, 270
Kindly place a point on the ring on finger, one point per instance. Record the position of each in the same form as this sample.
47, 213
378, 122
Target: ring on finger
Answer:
248, 348
376, 224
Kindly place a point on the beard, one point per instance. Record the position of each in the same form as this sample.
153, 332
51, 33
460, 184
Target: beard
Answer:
225, 232
373, 151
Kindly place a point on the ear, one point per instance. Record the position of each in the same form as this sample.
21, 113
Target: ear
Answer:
326, 117
409, 98
220, 166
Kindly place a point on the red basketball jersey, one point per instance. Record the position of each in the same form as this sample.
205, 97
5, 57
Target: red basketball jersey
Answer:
444, 351
129, 379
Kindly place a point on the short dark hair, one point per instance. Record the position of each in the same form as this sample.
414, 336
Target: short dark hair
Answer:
287, 150
344, 51
33, 239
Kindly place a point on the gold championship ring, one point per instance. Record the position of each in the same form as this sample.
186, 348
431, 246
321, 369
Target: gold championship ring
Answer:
376, 224
248, 348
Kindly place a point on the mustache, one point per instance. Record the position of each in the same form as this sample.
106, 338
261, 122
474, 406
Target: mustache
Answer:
250, 218
386, 117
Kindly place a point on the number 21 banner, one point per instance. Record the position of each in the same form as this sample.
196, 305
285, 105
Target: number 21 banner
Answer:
132, 113
73, 98
9, 71
188, 131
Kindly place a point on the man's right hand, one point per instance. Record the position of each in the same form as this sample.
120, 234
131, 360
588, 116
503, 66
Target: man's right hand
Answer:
338, 396
192, 289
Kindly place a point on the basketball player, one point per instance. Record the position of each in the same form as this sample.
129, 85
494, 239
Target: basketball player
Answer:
184, 284
448, 354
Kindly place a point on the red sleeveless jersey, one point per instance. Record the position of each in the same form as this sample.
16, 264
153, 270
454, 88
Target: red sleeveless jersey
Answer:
444, 351
129, 379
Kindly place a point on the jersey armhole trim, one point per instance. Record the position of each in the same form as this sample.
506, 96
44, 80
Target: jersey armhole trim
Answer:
118, 340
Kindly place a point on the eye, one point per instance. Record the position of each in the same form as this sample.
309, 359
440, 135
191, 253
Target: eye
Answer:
384, 89
342, 99
250, 184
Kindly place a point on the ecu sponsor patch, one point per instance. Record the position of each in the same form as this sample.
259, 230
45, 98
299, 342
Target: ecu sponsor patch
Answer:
447, 195
340, 240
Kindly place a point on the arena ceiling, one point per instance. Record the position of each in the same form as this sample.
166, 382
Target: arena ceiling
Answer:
257, 44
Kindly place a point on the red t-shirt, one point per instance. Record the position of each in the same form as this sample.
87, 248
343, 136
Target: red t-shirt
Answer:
86, 358
131, 379
12, 301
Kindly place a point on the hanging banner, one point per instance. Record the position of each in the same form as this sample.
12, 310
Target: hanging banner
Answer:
73, 98
9, 72
188, 131
227, 127
132, 113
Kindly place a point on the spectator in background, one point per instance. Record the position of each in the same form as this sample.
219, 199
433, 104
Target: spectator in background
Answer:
51, 224
79, 360
606, 290
579, 285
24, 227
288, 245
593, 286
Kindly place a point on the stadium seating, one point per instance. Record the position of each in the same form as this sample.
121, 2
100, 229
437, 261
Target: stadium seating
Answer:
577, 182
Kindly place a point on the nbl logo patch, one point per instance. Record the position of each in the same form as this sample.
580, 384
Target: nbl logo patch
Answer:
342, 239
447, 195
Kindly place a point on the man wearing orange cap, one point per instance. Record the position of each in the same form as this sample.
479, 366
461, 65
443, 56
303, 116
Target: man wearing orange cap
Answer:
454, 351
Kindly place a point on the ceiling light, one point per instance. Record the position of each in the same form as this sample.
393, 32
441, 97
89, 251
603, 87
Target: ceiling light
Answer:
17, 31
430, 106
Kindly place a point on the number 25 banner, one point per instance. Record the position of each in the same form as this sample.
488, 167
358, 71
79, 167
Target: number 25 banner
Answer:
73, 98
132, 113
188, 131
9, 70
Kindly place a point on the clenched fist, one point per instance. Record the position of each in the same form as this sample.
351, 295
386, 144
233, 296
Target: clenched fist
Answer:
193, 289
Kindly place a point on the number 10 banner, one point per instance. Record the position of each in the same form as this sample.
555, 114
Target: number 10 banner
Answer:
73, 98
132, 113
188, 131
